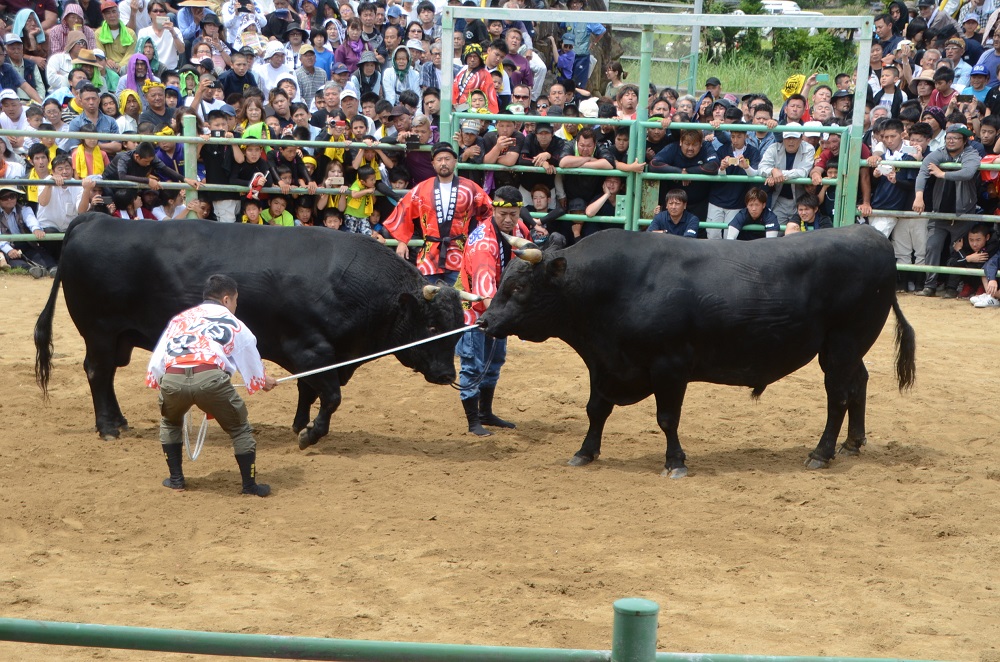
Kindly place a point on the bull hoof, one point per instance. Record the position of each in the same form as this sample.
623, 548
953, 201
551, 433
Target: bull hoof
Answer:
813, 463
852, 447
679, 472
581, 460
109, 437
306, 439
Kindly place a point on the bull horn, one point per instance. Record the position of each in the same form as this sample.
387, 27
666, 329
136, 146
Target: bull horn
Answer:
469, 296
430, 291
516, 242
530, 255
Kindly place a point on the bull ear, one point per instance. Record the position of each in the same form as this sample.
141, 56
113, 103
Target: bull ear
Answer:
555, 268
408, 304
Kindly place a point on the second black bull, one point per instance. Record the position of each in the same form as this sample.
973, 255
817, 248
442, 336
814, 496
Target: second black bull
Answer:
649, 314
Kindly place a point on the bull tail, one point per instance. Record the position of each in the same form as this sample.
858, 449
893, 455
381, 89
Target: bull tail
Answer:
43, 339
906, 349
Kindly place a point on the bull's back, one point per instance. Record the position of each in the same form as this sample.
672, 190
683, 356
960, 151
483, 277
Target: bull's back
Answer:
742, 313
121, 275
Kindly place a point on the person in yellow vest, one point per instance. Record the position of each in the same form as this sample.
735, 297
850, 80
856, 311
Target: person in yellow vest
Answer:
88, 157
38, 157
361, 204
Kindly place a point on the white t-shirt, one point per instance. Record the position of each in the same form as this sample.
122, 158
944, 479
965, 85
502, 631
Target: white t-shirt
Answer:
142, 19
62, 207
166, 53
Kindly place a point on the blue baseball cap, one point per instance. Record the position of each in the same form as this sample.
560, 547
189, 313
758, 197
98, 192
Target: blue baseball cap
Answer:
339, 68
979, 70
228, 110
394, 11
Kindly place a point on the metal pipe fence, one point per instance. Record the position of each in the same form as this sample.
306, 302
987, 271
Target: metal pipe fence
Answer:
633, 639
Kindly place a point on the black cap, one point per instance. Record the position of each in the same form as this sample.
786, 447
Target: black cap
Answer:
543, 126
211, 19
576, 204
207, 63
443, 147
713, 81
841, 94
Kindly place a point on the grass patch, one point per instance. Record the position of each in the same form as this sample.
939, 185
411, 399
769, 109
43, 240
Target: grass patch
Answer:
740, 75
14, 271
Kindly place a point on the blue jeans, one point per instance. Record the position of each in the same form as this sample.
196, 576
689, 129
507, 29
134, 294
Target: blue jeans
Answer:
473, 350
447, 277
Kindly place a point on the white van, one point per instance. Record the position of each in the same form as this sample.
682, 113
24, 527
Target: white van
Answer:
781, 7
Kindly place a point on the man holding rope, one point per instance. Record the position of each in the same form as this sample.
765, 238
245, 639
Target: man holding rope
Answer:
192, 364
482, 356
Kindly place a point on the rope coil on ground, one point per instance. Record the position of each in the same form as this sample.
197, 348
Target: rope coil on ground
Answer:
199, 442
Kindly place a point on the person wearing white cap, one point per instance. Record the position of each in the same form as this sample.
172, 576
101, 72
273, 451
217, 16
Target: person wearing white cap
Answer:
273, 68
791, 158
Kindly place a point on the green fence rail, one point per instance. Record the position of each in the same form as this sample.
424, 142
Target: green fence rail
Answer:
633, 640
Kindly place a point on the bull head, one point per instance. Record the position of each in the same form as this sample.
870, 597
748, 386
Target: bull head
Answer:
430, 291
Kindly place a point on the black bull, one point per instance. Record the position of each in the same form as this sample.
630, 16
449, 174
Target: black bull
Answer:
312, 296
649, 314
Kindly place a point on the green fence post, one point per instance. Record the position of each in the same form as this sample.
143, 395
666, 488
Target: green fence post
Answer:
445, 131
847, 188
695, 51
637, 142
191, 158
634, 636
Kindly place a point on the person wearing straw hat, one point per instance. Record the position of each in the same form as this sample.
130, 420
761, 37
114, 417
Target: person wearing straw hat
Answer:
17, 218
192, 365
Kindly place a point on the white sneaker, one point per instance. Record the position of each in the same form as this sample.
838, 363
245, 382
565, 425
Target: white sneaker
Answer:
987, 302
976, 299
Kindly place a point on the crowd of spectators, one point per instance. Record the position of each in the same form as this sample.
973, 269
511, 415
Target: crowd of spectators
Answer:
370, 73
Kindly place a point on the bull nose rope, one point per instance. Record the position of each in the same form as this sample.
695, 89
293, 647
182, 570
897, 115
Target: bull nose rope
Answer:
203, 430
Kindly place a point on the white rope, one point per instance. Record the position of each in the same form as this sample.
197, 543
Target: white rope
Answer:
199, 441
378, 354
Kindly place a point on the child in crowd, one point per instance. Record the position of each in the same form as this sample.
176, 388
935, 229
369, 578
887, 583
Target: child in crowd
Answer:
251, 213
88, 157
828, 192
358, 209
756, 212
971, 252
333, 218
277, 212
38, 157
304, 213
676, 219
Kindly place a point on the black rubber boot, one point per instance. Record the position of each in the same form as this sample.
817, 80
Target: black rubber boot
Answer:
248, 471
174, 453
486, 415
901, 278
471, 406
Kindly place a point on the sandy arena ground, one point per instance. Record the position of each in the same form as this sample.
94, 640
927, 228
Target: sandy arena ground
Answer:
400, 526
